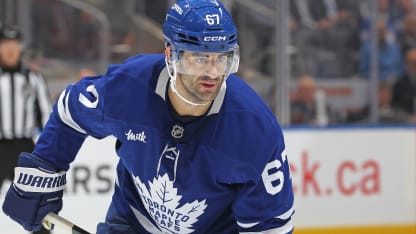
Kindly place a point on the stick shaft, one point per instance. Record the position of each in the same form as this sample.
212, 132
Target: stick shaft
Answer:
65, 224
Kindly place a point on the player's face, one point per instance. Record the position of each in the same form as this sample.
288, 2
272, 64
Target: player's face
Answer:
200, 75
10, 51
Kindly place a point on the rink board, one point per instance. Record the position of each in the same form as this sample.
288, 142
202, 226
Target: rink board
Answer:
402, 229
353, 180
346, 180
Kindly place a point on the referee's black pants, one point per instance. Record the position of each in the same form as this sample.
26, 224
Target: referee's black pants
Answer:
9, 152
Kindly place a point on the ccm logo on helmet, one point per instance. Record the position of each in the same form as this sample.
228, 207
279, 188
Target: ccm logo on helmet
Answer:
215, 38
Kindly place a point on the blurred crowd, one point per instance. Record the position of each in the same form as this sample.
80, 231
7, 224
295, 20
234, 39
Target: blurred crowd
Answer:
332, 40
329, 39
77, 34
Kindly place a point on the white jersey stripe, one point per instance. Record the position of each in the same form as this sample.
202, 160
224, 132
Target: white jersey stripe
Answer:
30, 116
283, 216
287, 214
247, 225
65, 114
284, 155
43, 98
162, 82
6, 113
145, 222
21, 94
280, 230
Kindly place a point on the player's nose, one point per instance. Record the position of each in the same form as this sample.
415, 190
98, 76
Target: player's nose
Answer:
212, 70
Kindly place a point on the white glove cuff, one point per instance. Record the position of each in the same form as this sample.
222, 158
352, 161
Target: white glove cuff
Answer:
34, 180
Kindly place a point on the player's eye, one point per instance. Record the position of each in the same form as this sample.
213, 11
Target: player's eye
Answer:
221, 58
200, 60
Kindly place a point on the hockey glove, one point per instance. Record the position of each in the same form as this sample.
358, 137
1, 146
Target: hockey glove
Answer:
36, 190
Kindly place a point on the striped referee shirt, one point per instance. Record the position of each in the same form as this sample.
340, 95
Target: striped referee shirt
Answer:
24, 103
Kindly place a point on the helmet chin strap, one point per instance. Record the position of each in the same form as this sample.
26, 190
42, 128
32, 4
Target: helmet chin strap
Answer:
172, 74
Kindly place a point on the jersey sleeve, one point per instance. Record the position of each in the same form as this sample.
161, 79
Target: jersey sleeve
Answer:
78, 113
266, 205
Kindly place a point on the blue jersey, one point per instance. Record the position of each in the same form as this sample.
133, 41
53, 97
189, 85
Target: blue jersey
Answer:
223, 172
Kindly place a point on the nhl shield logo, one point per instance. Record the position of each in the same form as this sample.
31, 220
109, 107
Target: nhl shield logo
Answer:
177, 131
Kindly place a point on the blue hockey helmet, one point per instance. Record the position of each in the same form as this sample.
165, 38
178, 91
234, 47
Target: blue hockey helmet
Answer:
200, 25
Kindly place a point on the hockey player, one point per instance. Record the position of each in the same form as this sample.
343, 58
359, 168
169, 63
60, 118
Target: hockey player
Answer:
199, 151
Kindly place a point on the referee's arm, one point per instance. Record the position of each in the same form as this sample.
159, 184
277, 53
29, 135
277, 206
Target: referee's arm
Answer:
43, 99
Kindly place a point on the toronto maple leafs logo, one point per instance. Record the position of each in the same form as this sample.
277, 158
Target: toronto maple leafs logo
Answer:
162, 203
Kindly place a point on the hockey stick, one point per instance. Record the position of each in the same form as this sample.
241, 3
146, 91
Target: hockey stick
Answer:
68, 226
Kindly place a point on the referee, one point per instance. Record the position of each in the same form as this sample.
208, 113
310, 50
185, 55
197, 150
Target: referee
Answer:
24, 103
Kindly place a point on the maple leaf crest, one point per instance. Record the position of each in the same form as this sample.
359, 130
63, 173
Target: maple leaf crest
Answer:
162, 202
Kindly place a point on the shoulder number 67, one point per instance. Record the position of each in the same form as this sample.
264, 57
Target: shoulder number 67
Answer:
273, 178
